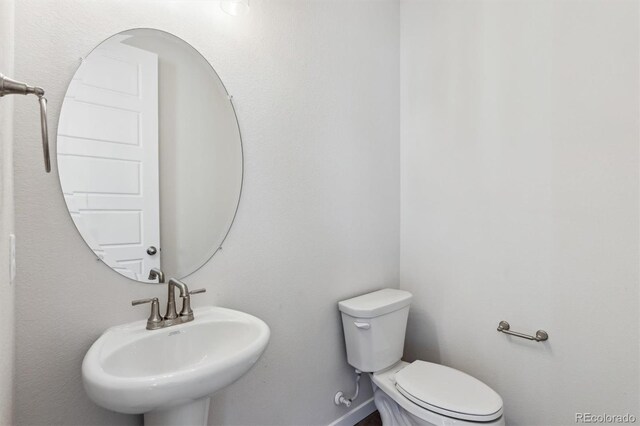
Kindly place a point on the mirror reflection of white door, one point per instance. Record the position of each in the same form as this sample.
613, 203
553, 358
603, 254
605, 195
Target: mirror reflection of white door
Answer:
108, 156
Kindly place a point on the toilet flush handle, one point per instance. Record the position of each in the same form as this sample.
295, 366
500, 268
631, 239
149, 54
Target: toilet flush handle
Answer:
362, 325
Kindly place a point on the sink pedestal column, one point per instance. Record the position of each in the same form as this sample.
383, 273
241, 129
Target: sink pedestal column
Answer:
194, 413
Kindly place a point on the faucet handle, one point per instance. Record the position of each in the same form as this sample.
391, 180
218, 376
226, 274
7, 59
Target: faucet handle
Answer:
187, 313
143, 301
155, 320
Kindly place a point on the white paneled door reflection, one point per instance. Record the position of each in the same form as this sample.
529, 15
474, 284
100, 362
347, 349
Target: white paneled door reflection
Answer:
108, 155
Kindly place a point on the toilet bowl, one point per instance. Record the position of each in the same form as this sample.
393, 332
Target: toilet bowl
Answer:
417, 393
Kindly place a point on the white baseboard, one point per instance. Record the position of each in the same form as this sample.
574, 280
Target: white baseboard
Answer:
356, 414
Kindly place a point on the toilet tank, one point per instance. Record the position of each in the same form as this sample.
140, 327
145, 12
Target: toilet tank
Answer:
374, 328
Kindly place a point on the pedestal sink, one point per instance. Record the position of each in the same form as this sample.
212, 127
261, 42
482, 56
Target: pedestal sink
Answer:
169, 374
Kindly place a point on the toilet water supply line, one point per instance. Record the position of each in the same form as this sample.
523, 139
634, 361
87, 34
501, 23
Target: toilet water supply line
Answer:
341, 399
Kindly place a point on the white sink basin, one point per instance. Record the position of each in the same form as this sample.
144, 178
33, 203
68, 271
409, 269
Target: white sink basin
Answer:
174, 370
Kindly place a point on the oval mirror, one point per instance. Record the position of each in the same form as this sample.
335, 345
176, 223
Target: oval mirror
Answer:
149, 155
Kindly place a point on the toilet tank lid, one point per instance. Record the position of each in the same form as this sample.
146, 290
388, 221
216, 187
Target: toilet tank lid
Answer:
375, 304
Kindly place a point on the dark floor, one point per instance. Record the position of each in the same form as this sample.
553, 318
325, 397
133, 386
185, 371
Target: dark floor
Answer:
372, 419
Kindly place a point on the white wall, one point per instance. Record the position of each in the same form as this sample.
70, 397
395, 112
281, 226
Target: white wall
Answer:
316, 85
6, 218
520, 198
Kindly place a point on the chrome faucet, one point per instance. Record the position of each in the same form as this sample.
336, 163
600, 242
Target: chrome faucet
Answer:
155, 321
156, 273
171, 316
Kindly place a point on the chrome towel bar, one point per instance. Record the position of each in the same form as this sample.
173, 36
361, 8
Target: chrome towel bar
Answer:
9, 86
540, 336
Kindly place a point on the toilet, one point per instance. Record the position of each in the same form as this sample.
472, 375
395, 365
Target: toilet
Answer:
417, 393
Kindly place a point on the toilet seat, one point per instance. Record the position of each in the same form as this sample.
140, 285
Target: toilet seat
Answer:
449, 392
